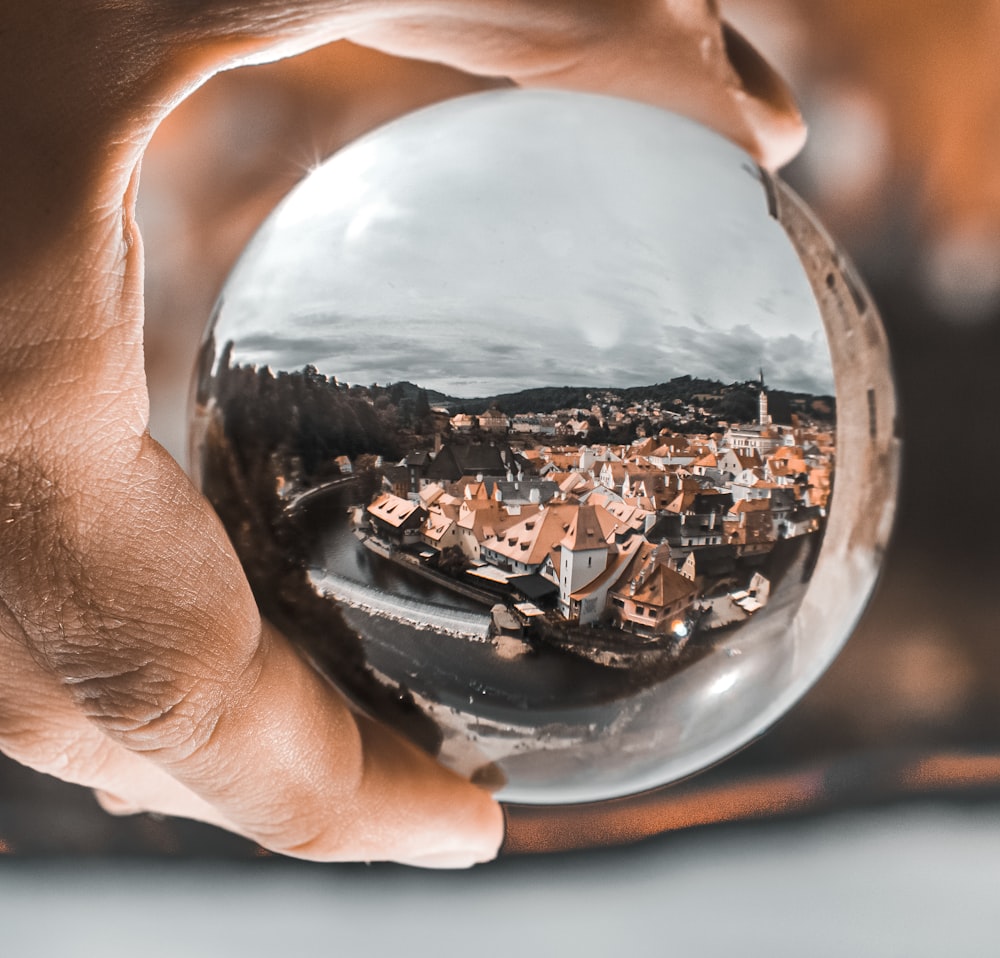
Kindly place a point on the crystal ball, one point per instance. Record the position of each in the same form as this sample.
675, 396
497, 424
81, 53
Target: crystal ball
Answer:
557, 433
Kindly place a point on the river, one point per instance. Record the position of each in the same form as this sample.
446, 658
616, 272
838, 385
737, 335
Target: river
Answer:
434, 640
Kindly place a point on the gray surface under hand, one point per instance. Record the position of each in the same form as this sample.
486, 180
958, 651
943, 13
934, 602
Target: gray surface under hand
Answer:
918, 881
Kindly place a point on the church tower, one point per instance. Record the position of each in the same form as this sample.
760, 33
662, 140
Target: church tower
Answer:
583, 556
763, 415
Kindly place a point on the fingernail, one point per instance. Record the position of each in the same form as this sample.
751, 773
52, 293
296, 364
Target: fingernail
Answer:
757, 76
765, 102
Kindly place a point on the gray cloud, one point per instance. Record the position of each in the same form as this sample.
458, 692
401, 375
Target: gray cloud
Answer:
480, 256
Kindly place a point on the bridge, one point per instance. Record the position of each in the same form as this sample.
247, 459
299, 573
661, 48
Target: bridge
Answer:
295, 503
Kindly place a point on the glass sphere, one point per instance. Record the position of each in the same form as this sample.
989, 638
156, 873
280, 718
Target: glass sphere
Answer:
557, 433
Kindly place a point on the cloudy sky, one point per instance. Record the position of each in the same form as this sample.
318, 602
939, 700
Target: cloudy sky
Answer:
518, 239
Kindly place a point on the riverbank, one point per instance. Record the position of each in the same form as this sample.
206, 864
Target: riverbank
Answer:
405, 611
404, 559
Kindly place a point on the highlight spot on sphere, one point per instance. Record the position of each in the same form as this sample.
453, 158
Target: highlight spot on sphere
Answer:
557, 433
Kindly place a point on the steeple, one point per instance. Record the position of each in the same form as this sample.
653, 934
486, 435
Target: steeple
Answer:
583, 555
763, 415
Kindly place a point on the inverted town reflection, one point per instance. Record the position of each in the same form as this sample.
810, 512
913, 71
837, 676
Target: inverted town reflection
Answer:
549, 496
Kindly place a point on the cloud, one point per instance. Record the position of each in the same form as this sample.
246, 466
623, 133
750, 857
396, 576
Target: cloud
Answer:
490, 259
478, 360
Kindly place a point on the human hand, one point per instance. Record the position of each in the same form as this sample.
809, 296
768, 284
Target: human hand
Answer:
135, 660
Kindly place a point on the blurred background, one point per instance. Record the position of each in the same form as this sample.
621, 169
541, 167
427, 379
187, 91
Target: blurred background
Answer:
869, 819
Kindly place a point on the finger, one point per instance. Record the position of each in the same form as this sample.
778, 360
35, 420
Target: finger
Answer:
138, 787
42, 728
668, 52
695, 65
676, 54
147, 622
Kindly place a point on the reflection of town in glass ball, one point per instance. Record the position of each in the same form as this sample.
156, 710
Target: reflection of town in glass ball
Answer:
520, 413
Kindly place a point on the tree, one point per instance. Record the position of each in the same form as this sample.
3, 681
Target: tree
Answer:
452, 561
